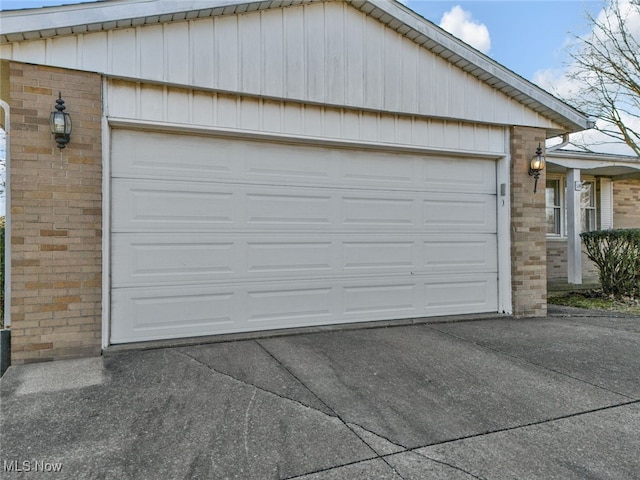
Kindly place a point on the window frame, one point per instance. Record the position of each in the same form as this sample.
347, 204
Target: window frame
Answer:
562, 194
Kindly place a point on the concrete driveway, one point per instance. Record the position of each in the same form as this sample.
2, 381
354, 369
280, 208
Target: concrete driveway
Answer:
492, 399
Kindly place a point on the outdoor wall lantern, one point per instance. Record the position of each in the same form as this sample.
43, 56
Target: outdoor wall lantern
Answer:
536, 166
60, 123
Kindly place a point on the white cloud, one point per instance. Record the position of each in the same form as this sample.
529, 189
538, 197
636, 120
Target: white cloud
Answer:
460, 23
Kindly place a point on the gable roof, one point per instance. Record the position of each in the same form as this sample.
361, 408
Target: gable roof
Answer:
32, 24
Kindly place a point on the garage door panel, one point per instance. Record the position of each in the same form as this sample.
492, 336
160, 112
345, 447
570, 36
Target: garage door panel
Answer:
467, 176
467, 254
177, 259
173, 312
213, 235
139, 204
475, 213
162, 205
215, 159
447, 293
286, 304
158, 155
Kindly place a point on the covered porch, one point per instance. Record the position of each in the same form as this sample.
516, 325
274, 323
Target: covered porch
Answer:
584, 192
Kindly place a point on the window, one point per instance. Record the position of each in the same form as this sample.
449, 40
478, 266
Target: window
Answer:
557, 210
588, 207
553, 208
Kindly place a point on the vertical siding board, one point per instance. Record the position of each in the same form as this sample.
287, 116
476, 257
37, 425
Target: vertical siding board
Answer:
292, 119
64, 51
315, 51
355, 56
273, 48
249, 114
227, 111
294, 44
123, 52
30, 52
178, 105
457, 93
350, 125
226, 52
425, 81
122, 100
312, 123
332, 123
94, 52
271, 117
202, 56
404, 128
151, 52
177, 52
408, 76
6, 50
373, 78
392, 68
251, 46
151, 102
202, 108
335, 53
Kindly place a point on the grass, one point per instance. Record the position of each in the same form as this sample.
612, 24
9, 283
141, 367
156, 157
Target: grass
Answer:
596, 300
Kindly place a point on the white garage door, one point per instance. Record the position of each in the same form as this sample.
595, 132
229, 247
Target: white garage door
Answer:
216, 235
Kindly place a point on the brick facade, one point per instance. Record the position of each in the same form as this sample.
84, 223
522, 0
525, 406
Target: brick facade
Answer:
528, 227
626, 204
557, 263
56, 215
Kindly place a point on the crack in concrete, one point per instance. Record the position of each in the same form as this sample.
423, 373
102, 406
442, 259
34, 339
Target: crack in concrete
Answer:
338, 416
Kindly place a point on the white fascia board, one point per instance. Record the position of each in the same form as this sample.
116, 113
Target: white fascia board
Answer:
20, 21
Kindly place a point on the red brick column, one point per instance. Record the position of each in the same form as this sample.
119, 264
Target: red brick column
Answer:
528, 227
56, 216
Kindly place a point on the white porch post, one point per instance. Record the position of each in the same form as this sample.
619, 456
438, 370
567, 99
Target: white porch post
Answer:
574, 250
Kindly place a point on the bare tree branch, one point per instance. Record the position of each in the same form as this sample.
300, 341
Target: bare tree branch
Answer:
606, 67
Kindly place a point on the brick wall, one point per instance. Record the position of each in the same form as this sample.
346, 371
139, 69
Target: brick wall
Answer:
528, 227
557, 263
626, 204
56, 216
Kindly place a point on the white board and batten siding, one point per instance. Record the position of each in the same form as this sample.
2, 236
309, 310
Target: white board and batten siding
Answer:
325, 53
215, 235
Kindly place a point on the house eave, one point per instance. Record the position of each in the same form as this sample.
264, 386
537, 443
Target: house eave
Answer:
618, 167
41, 23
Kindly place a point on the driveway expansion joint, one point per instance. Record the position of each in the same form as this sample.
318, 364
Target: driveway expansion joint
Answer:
526, 425
537, 365
449, 465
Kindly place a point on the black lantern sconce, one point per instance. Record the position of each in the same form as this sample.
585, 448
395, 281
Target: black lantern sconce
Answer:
60, 123
536, 166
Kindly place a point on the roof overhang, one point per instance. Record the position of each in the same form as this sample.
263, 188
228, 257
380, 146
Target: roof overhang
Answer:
618, 167
30, 24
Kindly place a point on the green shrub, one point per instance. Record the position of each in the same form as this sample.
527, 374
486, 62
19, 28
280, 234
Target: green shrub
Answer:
616, 253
